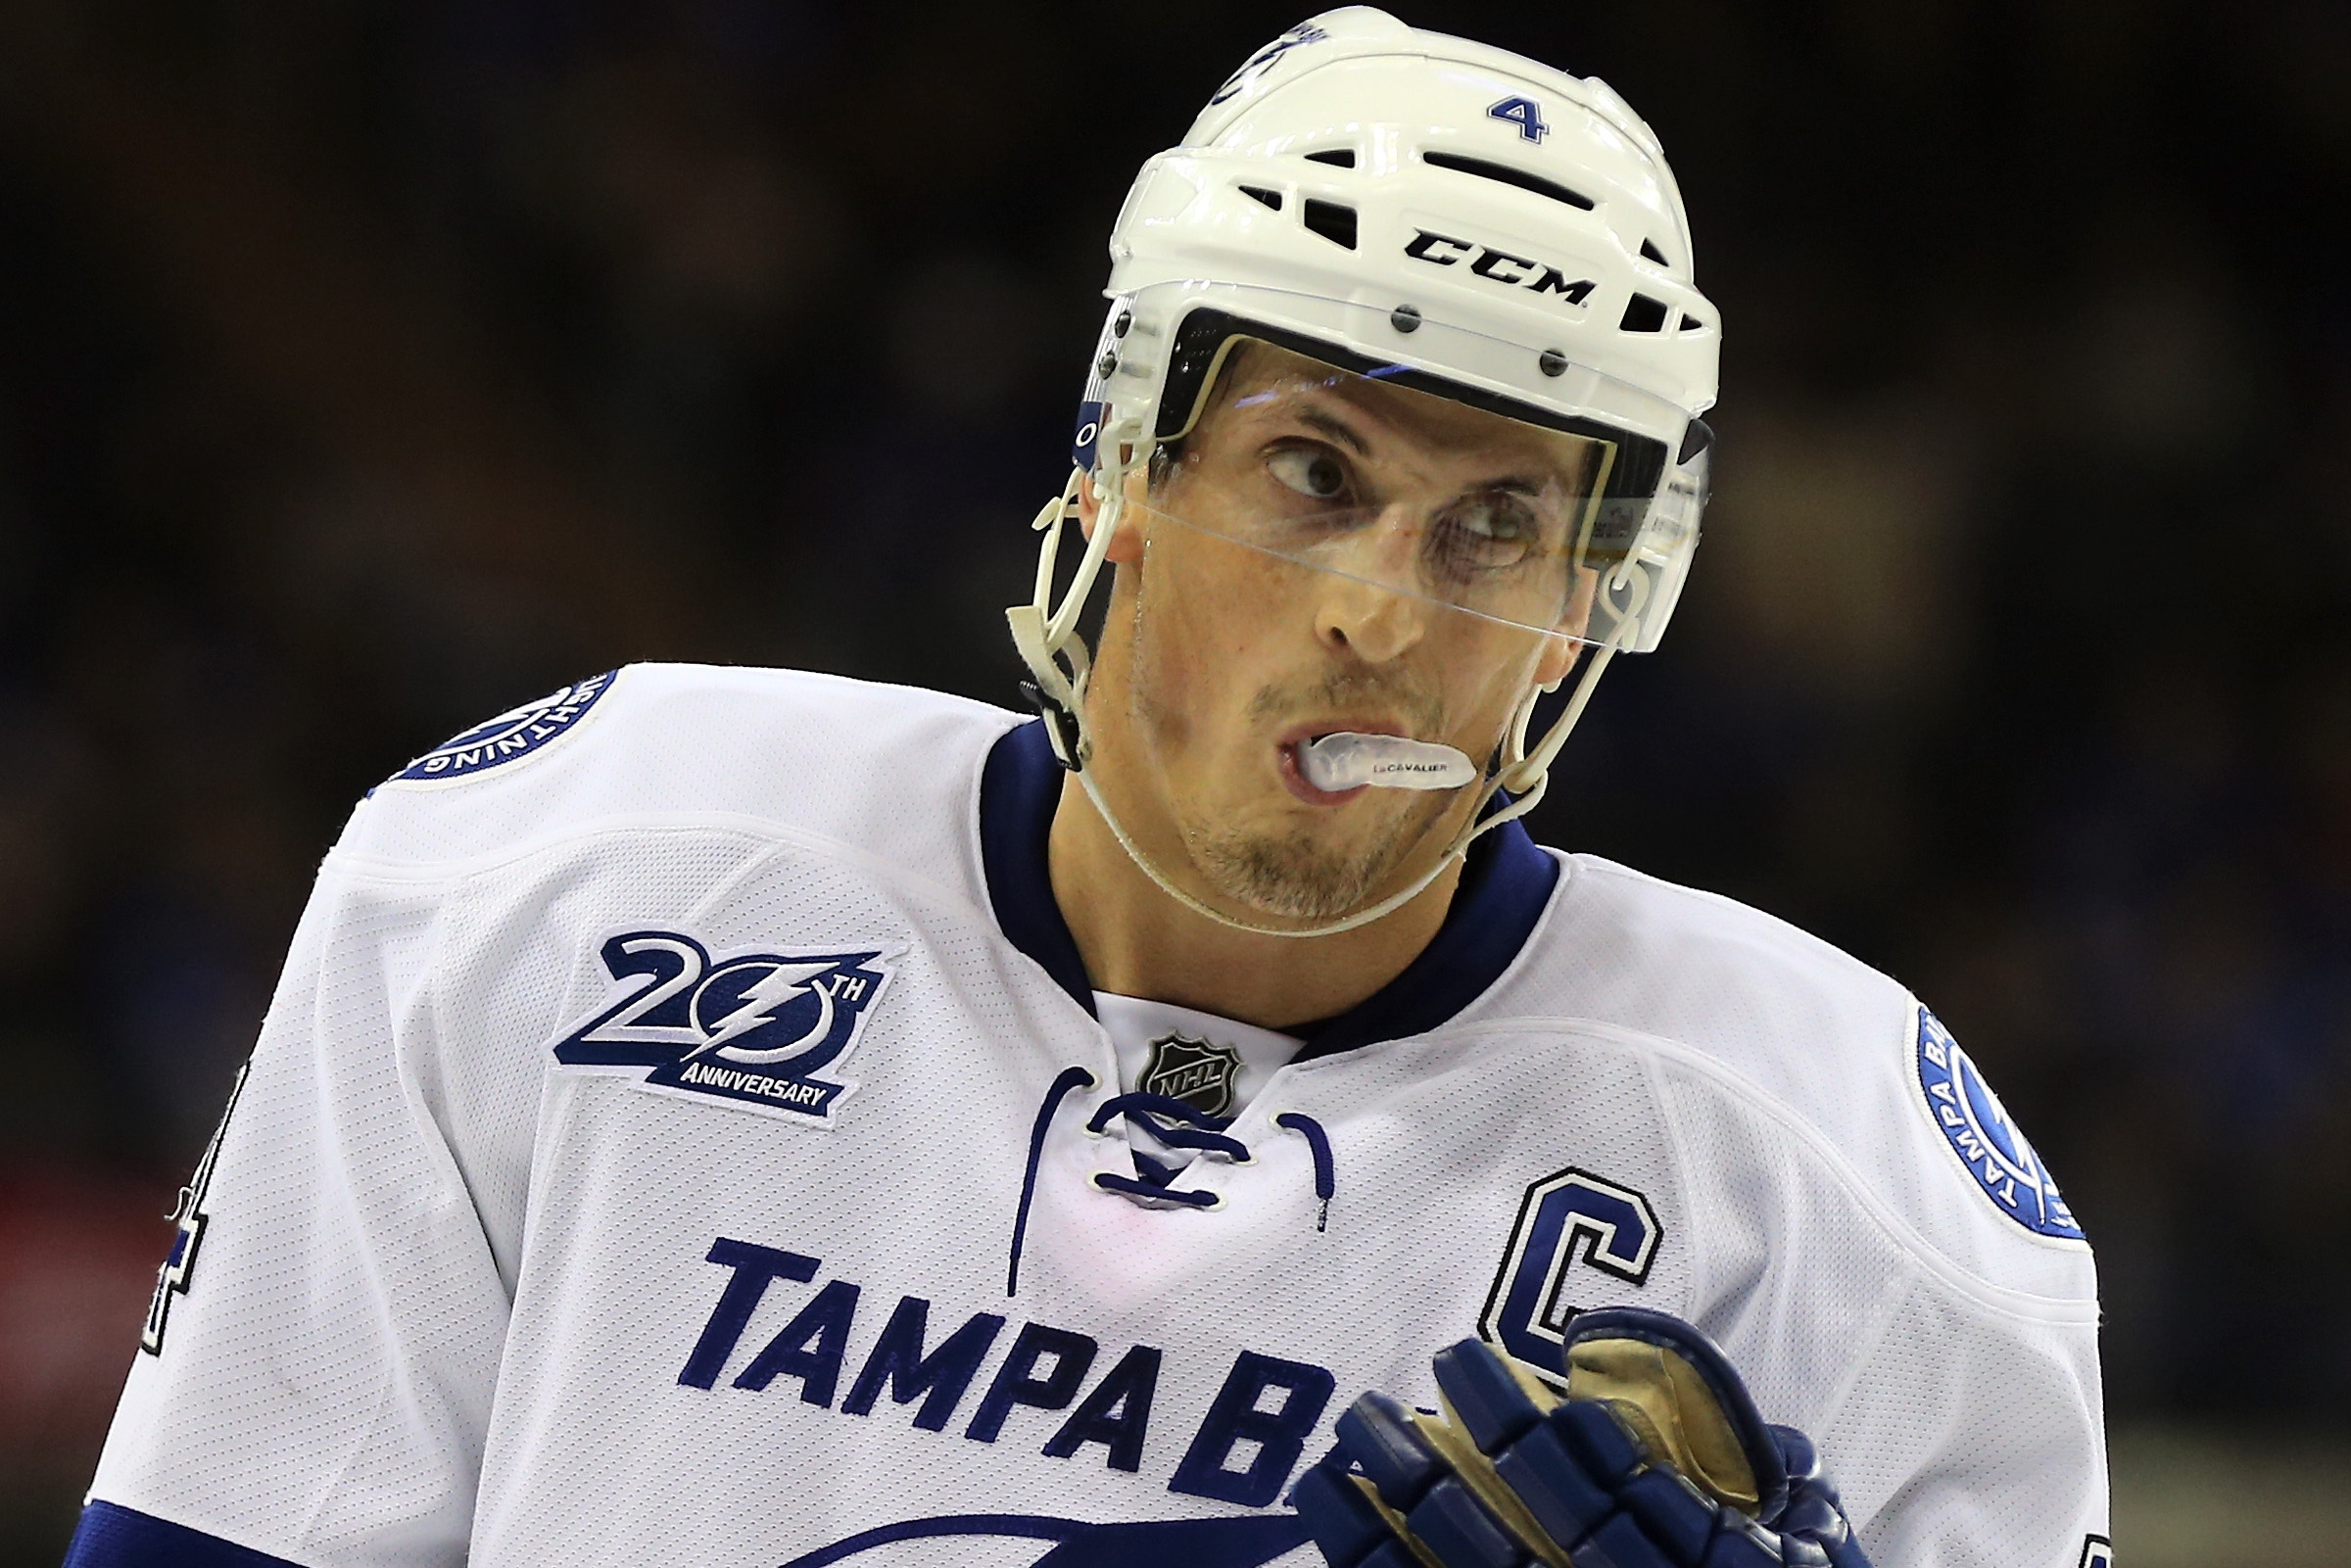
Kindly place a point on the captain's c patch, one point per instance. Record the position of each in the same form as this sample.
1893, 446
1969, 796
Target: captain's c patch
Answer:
1569, 1221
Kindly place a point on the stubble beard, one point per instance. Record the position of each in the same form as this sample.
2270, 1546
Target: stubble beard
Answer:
1298, 873
1293, 874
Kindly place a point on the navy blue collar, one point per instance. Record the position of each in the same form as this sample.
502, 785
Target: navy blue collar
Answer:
1505, 886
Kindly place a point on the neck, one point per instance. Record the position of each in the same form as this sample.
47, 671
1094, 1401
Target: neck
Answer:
1138, 941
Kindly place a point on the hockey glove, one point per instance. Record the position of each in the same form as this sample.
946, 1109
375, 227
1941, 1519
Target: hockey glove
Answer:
1656, 1458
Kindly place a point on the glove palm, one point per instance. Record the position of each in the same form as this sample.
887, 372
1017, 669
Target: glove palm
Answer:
1656, 1459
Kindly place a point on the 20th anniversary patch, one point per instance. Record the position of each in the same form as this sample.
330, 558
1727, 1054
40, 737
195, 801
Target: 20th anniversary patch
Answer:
766, 1031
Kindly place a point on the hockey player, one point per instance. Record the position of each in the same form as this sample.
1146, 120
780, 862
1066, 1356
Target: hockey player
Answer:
726, 1117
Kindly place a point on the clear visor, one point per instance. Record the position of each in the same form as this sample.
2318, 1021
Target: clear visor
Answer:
1336, 595
1340, 582
1306, 466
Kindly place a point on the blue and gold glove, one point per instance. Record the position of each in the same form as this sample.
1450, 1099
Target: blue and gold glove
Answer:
1656, 1458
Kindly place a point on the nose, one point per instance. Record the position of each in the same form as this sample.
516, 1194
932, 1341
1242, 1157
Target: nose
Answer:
1356, 609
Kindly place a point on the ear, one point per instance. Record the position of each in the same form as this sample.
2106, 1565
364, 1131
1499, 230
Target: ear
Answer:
1559, 657
1127, 547
1560, 653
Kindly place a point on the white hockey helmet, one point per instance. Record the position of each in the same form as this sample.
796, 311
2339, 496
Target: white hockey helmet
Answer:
1445, 216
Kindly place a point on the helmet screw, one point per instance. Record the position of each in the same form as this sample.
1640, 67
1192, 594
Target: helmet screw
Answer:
1107, 364
1126, 320
1404, 318
1553, 362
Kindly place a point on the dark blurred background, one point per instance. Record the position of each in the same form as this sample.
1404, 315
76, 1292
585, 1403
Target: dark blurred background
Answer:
367, 369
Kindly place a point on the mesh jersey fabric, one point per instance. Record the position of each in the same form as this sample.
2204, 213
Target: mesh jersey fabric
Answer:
458, 1302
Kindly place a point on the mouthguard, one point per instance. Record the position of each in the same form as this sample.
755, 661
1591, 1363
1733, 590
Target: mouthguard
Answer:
1345, 760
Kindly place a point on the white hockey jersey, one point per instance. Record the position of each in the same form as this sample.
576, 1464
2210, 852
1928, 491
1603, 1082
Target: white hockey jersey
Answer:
681, 1137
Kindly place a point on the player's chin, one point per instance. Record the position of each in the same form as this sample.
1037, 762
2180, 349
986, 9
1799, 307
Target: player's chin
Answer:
1291, 875
1316, 865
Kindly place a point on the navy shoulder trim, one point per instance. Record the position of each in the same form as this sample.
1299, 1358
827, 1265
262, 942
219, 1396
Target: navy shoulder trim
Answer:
112, 1537
1505, 885
1019, 789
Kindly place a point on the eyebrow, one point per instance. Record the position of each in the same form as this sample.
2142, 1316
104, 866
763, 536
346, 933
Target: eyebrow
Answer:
1341, 431
1337, 429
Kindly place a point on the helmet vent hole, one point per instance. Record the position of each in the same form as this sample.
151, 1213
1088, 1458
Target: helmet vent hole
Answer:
1258, 193
1505, 174
1649, 248
1334, 222
1643, 314
1336, 156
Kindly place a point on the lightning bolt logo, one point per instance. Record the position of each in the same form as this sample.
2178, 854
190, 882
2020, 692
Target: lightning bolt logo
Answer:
757, 1006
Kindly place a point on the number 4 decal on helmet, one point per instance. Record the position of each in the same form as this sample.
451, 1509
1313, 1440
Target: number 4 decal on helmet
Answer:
1521, 112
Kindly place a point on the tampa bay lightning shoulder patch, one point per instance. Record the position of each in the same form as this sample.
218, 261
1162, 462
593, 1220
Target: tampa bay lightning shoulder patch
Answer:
510, 737
764, 1030
1988, 1142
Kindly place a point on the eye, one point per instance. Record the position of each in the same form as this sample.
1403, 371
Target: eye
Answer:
1310, 472
1499, 519
1483, 532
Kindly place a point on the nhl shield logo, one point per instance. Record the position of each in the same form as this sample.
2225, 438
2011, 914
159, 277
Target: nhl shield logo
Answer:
1198, 1072
754, 1028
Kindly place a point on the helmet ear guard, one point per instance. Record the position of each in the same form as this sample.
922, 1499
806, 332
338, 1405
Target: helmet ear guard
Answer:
1500, 248
1108, 446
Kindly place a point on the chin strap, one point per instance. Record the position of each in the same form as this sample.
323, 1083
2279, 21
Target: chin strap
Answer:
1046, 636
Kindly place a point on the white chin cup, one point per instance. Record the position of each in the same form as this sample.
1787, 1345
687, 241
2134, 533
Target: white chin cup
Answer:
1347, 760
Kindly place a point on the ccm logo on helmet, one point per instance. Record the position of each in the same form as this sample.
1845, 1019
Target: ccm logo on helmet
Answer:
1517, 271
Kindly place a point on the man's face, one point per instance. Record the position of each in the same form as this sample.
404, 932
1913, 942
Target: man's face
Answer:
1328, 553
